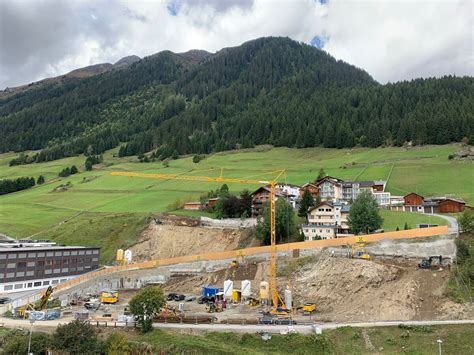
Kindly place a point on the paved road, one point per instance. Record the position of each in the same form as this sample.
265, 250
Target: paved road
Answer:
453, 223
304, 329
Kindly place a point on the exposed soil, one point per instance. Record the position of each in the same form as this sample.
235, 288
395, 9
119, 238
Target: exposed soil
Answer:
180, 236
350, 289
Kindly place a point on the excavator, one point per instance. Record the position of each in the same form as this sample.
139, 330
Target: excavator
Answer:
426, 263
37, 306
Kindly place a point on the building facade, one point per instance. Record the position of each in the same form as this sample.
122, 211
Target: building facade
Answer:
28, 265
327, 221
330, 188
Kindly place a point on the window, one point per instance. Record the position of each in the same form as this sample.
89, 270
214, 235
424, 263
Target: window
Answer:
18, 286
328, 230
20, 274
11, 256
47, 272
328, 210
30, 273
74, 252
2, 275
54, 282
65, 261
65, 269
321, 209
21, 255
66, 253
10, 275
32, 255
45, 283
96, 252
57, 271
81, 252
58, 253
3, 256
41, 255
31, 263
41, 263
319, 217
89, 252
11, 265
49, 262
63, 280
37, 283
80, 268
95, 259
320, 231
8, 287
21, 264
30, 284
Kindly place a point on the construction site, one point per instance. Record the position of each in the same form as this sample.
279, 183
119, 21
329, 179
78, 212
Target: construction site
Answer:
215, 272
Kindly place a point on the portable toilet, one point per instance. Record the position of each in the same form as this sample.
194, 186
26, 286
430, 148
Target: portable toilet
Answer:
119, 255
228, 288
246, 288
236, 295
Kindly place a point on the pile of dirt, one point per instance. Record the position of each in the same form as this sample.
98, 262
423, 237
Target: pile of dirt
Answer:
352, 289
63, 187
167, 240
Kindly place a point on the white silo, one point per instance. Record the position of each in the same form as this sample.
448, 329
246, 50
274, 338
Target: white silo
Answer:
288, 299
246, 289
264, 290
127, 255
228, 288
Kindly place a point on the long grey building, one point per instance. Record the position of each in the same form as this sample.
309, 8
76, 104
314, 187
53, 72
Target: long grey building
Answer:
33, 264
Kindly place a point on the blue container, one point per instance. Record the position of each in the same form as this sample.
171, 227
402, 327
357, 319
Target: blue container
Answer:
209, 291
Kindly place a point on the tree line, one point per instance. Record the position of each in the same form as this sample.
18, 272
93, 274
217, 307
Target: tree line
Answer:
12, 185
267, 91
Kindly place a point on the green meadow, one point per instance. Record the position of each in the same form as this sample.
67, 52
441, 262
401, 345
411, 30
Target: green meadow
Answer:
45, 212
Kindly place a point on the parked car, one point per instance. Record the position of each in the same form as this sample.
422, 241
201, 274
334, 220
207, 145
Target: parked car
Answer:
205, 299
170, 296
190, 298
179, 297
5, 300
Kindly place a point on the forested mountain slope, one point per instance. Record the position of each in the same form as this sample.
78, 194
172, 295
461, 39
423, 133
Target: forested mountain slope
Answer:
267, 91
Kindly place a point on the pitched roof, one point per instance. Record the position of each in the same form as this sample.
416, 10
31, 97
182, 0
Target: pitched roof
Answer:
329, 178
413, 193
321, 204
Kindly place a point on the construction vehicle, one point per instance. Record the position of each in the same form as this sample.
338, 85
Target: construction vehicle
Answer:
309, 308
426, 263
278, 306
109, 297
358, 249
23, 311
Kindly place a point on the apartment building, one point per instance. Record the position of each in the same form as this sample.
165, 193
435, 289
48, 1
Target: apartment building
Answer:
327, 221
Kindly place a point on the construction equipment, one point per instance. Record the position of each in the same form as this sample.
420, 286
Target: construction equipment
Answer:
309, 308
358, 249
36, 306
426, 263
277, 303
109, 296
214, 307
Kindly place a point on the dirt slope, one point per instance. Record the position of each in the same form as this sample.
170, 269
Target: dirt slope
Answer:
171, 238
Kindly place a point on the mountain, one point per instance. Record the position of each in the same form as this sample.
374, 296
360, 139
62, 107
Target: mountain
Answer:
126, 61
266, 91
90, 70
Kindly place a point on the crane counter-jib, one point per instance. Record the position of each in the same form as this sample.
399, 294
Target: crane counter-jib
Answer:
273, 254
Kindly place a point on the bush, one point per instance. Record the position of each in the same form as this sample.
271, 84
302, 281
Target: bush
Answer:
18, 343
466, 221
40, 180
77, 337
117, 344
197, 158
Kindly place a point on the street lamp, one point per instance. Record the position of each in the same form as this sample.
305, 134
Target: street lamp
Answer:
439, 345
32, 321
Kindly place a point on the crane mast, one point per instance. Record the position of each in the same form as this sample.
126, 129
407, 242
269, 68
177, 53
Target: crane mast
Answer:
273, 249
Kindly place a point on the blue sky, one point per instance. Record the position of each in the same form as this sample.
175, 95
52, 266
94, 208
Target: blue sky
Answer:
391, 39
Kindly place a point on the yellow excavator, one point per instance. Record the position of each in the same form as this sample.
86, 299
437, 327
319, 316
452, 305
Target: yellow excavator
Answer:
358, 249
37, 306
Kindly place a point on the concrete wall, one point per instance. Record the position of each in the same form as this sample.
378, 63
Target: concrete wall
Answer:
231, 223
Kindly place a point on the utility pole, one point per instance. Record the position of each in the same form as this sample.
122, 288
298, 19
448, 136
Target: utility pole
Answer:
439, 346
32, 321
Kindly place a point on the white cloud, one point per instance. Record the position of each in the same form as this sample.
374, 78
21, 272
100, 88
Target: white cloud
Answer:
392, 40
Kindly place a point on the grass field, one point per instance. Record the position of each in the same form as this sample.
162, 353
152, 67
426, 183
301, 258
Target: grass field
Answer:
109, 200
347, 340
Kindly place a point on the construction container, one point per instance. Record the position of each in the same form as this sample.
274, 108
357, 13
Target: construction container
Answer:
120, 255
109, 297
210, 291
236, 295
228, 288
264, 290
246, 288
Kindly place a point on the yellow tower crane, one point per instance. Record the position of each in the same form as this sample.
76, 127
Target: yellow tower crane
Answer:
273, 250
